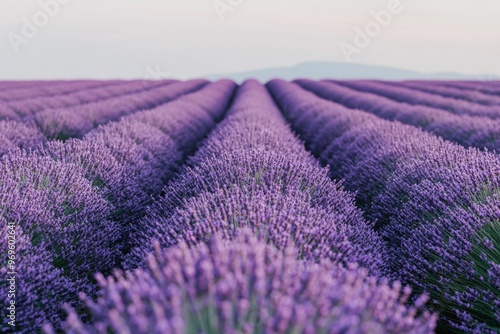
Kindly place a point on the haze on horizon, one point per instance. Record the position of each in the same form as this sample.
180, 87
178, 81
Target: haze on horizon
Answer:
126, 39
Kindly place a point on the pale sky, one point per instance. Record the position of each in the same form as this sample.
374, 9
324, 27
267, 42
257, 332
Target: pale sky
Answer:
187, 38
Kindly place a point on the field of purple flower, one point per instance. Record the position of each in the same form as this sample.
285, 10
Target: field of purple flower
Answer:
291, 207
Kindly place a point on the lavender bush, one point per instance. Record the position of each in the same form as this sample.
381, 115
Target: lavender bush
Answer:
40, 287
247, 286
59, 211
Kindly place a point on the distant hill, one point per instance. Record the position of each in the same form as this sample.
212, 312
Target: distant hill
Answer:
335, 70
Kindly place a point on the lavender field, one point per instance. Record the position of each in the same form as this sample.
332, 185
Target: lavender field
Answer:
165, 206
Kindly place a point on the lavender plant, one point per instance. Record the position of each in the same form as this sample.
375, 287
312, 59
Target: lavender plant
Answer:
243, 286
55, 205
39, 287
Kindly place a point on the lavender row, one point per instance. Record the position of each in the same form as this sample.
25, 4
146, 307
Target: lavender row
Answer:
480, 132
133, 159
472, 95
437, 203
415, 97
29, 107
51, 90
252, 177
76, 121
486, 87
73, 197
27, 134
252, 160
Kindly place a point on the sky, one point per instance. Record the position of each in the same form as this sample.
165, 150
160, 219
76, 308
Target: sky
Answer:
184, 39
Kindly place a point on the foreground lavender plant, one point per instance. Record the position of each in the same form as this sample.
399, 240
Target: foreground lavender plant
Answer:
55, 205
247, 286
40, 288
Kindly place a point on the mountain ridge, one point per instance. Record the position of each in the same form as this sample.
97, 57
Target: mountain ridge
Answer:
338, 70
